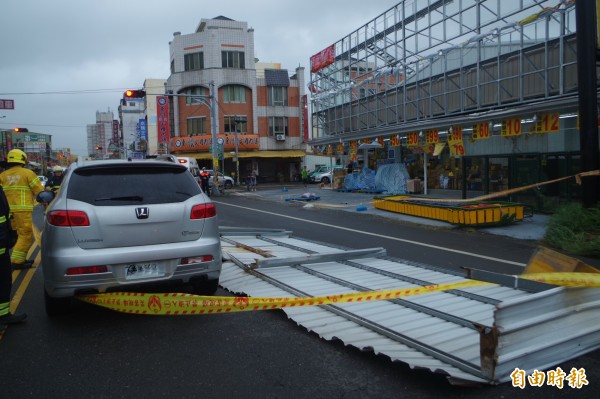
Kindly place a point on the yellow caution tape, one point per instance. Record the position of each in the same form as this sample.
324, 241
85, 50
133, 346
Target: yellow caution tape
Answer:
187, 304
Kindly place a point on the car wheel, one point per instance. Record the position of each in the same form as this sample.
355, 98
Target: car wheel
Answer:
56, 306
325, 180
228, 184
207, 287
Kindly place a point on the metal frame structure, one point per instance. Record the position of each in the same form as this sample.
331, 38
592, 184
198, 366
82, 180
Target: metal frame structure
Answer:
423, 64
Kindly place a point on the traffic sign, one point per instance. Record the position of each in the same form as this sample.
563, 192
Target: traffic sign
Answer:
7, 104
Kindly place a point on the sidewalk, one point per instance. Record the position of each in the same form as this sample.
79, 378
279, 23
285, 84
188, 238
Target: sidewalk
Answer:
532, 228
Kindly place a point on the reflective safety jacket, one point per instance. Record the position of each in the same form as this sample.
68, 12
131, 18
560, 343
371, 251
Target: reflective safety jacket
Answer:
21, 186
54, 182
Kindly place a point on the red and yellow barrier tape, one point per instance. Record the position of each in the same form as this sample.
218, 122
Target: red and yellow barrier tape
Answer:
188, 304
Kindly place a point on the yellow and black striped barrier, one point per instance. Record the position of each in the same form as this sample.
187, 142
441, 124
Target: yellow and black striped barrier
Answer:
477, 212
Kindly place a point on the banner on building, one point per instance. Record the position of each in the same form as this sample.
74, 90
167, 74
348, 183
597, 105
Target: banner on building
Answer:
143, 129
162, 123
322, 59
204, 142
115, 131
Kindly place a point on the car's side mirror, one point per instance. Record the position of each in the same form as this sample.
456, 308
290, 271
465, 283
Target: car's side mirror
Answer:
45, 197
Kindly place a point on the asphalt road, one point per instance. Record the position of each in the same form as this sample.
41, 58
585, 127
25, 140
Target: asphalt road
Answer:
96, 353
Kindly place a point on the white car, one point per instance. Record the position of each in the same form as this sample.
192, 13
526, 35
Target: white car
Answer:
226, 181
323, 174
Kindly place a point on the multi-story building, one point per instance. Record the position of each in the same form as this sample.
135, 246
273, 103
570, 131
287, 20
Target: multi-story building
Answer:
132, 117
101, 135
258, 112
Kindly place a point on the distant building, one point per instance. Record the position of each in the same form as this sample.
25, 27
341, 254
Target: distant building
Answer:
102, 134
153, 88
261, 105
131, 112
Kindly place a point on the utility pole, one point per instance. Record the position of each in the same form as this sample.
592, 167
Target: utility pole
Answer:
237, 154
215, 159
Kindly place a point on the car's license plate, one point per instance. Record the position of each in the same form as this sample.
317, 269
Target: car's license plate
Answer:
135, 271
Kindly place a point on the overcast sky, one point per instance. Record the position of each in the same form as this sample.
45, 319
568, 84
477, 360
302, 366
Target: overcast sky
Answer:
63, 60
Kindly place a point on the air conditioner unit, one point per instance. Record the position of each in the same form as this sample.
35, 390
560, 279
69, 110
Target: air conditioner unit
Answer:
280, 137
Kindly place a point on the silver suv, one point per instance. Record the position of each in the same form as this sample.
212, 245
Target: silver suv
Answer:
118, 224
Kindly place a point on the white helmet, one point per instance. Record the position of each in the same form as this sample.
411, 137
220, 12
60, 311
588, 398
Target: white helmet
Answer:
57, 169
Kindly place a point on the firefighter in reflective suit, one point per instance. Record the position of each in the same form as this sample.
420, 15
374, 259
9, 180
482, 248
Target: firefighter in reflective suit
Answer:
21, 186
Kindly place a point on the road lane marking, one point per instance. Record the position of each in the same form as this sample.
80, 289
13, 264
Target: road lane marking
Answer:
381, 236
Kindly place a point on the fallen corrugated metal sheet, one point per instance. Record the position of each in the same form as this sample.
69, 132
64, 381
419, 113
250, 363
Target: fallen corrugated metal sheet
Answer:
479, 334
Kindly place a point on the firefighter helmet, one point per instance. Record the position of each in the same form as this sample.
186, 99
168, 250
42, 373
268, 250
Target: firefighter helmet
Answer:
57, 169
16, 156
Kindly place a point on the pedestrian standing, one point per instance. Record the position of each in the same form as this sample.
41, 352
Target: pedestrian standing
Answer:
7, 241
204, 179
21, 186
304, 174
350, 168
253, 177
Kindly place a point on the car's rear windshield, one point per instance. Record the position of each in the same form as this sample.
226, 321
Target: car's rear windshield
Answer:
111, 186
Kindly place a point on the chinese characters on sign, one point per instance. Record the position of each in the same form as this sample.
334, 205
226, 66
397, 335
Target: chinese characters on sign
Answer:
412, 139
548, 123
511, 127
432, 136
322, 59
575, 379
455, 142
7, 104
481, 131
162, 113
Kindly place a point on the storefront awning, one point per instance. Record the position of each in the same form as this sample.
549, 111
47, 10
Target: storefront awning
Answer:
247, 154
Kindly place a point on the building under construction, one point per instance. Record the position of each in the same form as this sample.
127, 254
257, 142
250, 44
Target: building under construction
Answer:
478, 96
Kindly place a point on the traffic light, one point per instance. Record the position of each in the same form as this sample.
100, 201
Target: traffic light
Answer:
135, 94
21, 129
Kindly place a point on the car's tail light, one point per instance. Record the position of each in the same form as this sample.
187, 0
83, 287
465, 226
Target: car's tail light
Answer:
68, 218
196, 259
74, 271
203, 211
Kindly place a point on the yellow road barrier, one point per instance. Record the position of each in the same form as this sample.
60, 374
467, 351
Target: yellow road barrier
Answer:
187, 304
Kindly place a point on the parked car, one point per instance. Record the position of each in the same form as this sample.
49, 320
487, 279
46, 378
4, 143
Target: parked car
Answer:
224, 181
118, 223
43, 180
323, 174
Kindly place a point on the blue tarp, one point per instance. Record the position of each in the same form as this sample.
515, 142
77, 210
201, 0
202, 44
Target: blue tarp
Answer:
389, 179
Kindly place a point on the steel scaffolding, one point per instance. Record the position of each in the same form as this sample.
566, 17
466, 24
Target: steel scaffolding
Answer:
425, 63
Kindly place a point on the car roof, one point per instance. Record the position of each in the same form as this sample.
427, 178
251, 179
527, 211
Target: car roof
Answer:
125, 163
